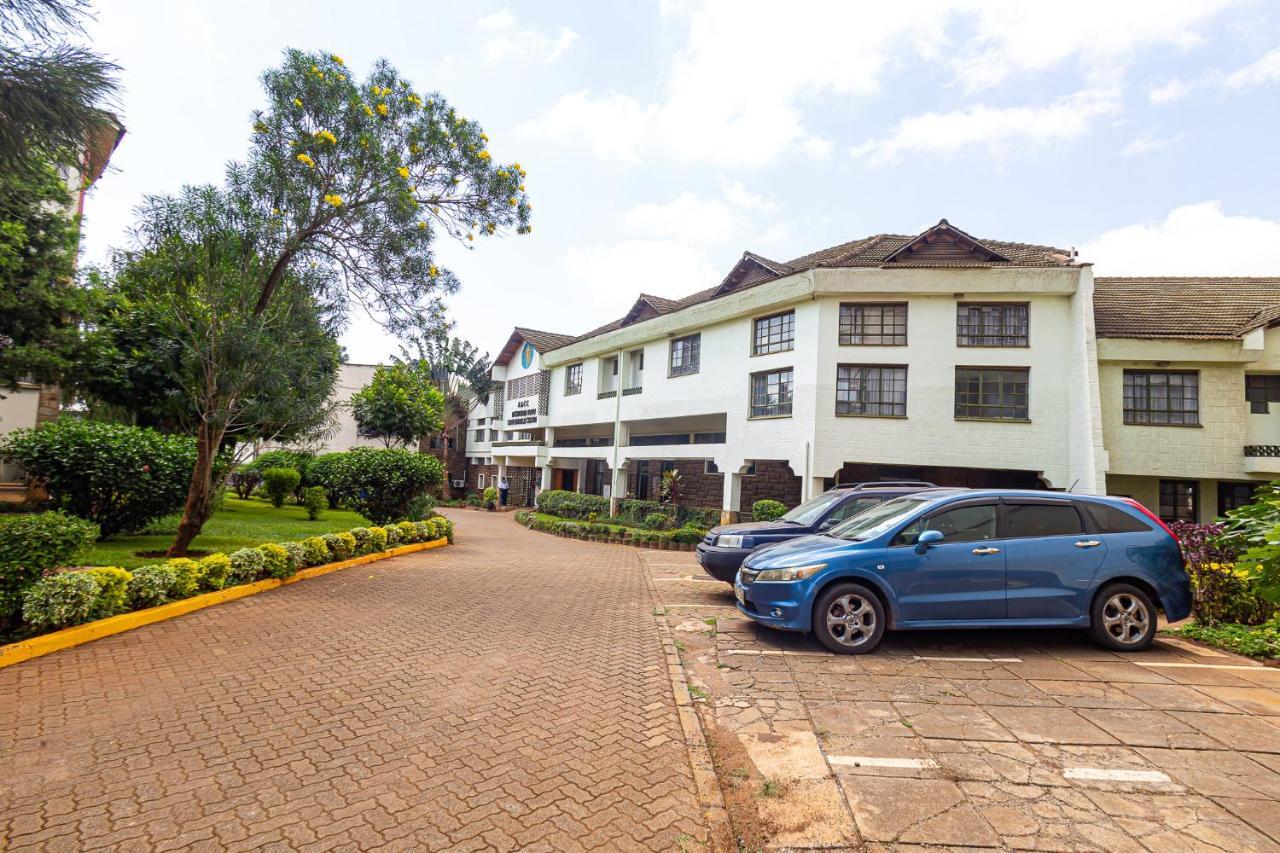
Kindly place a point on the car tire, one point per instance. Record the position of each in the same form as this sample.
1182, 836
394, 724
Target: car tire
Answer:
1122, 618
849, 619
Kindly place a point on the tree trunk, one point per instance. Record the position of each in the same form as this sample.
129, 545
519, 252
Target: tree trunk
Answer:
199, 494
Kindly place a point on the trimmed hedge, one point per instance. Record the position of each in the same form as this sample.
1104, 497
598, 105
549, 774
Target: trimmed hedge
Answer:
31, 544
687, 535
767, 510
631, 512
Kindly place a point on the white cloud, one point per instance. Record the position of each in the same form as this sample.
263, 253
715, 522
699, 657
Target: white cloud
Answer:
735, 193
1195, 239
503, 38
1146, 143
736, 93
615, 274
999, 129
689, 218
1260, 73
1167, 93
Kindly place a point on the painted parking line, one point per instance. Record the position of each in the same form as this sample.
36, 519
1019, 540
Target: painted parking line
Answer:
706, 606
1167, 665
686, 580
968, 660
872, 761
1102, 774
1191, 647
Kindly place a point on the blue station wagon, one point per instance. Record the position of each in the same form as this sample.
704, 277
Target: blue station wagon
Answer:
959, 558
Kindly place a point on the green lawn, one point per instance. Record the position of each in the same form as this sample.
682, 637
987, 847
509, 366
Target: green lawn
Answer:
239, 524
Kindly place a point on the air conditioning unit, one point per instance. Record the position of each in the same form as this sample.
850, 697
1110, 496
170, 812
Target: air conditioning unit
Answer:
458, 484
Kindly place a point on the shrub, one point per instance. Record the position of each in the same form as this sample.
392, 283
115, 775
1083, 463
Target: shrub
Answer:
381, 484
421, 507
297, 556
572, 504
767, 510
279, 484
633, 512
214, 570
393, 535
656, 521
119, 477
275, 561
329, 472
151, 586
377, 539
363, 540
315, 500
1221, 589
113, 591
60, 601
297, 460
247, 565
408, 532
426, 531
30, 543
244, 481
688, 535
1254, 530
315, 550
490, 496
341, 545
524, 517
1262, 641
186, 576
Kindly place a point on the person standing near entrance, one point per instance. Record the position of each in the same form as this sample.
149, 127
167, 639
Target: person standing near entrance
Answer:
503, 488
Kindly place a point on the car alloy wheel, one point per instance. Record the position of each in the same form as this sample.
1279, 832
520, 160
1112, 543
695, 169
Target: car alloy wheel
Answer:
851, 620
1126, 618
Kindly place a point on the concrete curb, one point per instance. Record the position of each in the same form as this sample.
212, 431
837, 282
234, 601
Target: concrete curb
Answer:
80, 634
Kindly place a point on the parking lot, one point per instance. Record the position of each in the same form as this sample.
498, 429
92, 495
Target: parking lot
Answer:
1018, 739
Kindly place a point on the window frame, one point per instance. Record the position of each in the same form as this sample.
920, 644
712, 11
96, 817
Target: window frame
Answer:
1024, 418
1128, 396
985, 340
784, 345
845, 337
570, 388
1260, 399
930, 514
1195, 500
790, 386
694, 343
881, 384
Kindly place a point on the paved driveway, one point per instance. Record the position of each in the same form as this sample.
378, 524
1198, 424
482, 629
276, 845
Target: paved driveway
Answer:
1021, 740
509, 691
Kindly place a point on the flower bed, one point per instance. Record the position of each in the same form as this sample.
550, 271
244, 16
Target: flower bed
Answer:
681, 539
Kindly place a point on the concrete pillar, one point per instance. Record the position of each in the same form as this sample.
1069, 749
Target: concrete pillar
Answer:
732, 506
546, 476
617, 488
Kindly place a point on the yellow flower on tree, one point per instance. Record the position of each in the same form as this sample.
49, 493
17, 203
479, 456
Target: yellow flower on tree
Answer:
337, 59
489, 227
382, 109
368, 110
485, 156
422, 226
511, 201
326, 136
485, 137
297, 102
259, 127
404, 173
433, 271
306, 161
335, 200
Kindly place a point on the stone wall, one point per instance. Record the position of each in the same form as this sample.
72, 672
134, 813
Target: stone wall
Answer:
773, 480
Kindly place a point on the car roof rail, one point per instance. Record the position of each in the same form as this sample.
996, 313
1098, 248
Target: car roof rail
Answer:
876, 484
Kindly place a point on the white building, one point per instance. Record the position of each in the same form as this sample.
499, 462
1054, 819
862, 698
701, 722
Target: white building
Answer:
936, 356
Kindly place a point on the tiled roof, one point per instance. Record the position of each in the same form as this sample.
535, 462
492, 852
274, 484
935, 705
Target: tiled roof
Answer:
1198, 308
543, 341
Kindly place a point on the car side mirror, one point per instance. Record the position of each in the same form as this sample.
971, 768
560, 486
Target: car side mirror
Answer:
827, 525
927, 538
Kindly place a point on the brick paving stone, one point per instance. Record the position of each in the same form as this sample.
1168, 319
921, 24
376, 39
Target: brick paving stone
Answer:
510, 690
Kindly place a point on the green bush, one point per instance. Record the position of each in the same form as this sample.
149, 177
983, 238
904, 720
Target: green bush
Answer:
420, 508
393, 535
688, 535
315, 500
244, 480
247, 565
214, 571
275, 561
30, 543
186, 576
113, 591
632, 512
329, 472
377, 539
656, 521
408, 532
524, 517
384, 483
119, 477
490, 496
315, 550
152, 586
1260, 641
279, 483
767, 510
60, 601
1254, 531
297, 556
298, 460
572, 504
364, 540
342, 546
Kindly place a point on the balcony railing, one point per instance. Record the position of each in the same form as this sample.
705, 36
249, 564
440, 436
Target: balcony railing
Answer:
606, 395
520, 442
593, 441
628, 392
1255, 450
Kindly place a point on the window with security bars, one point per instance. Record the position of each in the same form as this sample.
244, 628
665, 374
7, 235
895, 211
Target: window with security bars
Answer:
871, 390
873, 324
573, 380
1261, 389
1179, 500
774, 334
991, 324
998, 393
685, 355
771, 393
1162, 397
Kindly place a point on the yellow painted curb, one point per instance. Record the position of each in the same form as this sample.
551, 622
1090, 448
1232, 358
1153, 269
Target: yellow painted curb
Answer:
81, 634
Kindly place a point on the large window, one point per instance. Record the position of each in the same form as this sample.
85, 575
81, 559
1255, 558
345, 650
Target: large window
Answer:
573, 380
685, 355
771, 393
1261, 389
1234, 495
773, 334
1162, 397
863, 389
998, 393
873, 324
991, 324
1179, 500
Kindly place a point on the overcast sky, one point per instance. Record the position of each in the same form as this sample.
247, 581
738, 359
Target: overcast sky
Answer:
663, 139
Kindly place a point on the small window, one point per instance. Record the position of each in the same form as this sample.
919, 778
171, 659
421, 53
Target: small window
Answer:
774, 334
873, 324
1109, 519
863, 389
751, 470
991, 324
1026, 521
998, 393
1179, 500
1261, 390
771, 393
480, 480
573, 380
685, 354
1234, 495
709, 467
962, 524
1162, 397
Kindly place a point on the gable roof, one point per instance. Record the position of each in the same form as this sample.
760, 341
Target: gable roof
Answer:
542, 341
1185, 308
934, 247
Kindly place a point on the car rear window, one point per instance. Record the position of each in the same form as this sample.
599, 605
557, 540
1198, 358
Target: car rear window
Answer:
1031, 520
1104, 518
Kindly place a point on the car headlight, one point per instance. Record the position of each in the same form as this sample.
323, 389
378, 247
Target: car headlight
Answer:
796, 573
729, 541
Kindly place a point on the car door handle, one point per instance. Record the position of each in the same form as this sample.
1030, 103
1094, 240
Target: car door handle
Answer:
1088, 543
986, 550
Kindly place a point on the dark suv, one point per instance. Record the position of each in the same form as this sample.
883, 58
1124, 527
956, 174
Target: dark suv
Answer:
724, 549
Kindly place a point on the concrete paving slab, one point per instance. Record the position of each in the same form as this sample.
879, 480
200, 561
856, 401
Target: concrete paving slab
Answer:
1050, 725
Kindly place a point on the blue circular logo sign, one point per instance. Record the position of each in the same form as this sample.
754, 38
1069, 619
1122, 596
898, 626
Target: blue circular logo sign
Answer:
526, 355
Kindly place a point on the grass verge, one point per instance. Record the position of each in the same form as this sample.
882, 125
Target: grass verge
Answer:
1256, 641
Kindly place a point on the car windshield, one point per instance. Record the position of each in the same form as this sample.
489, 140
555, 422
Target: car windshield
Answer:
811, 510
878, 519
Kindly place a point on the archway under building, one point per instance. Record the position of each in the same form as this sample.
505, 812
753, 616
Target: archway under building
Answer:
939, 475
